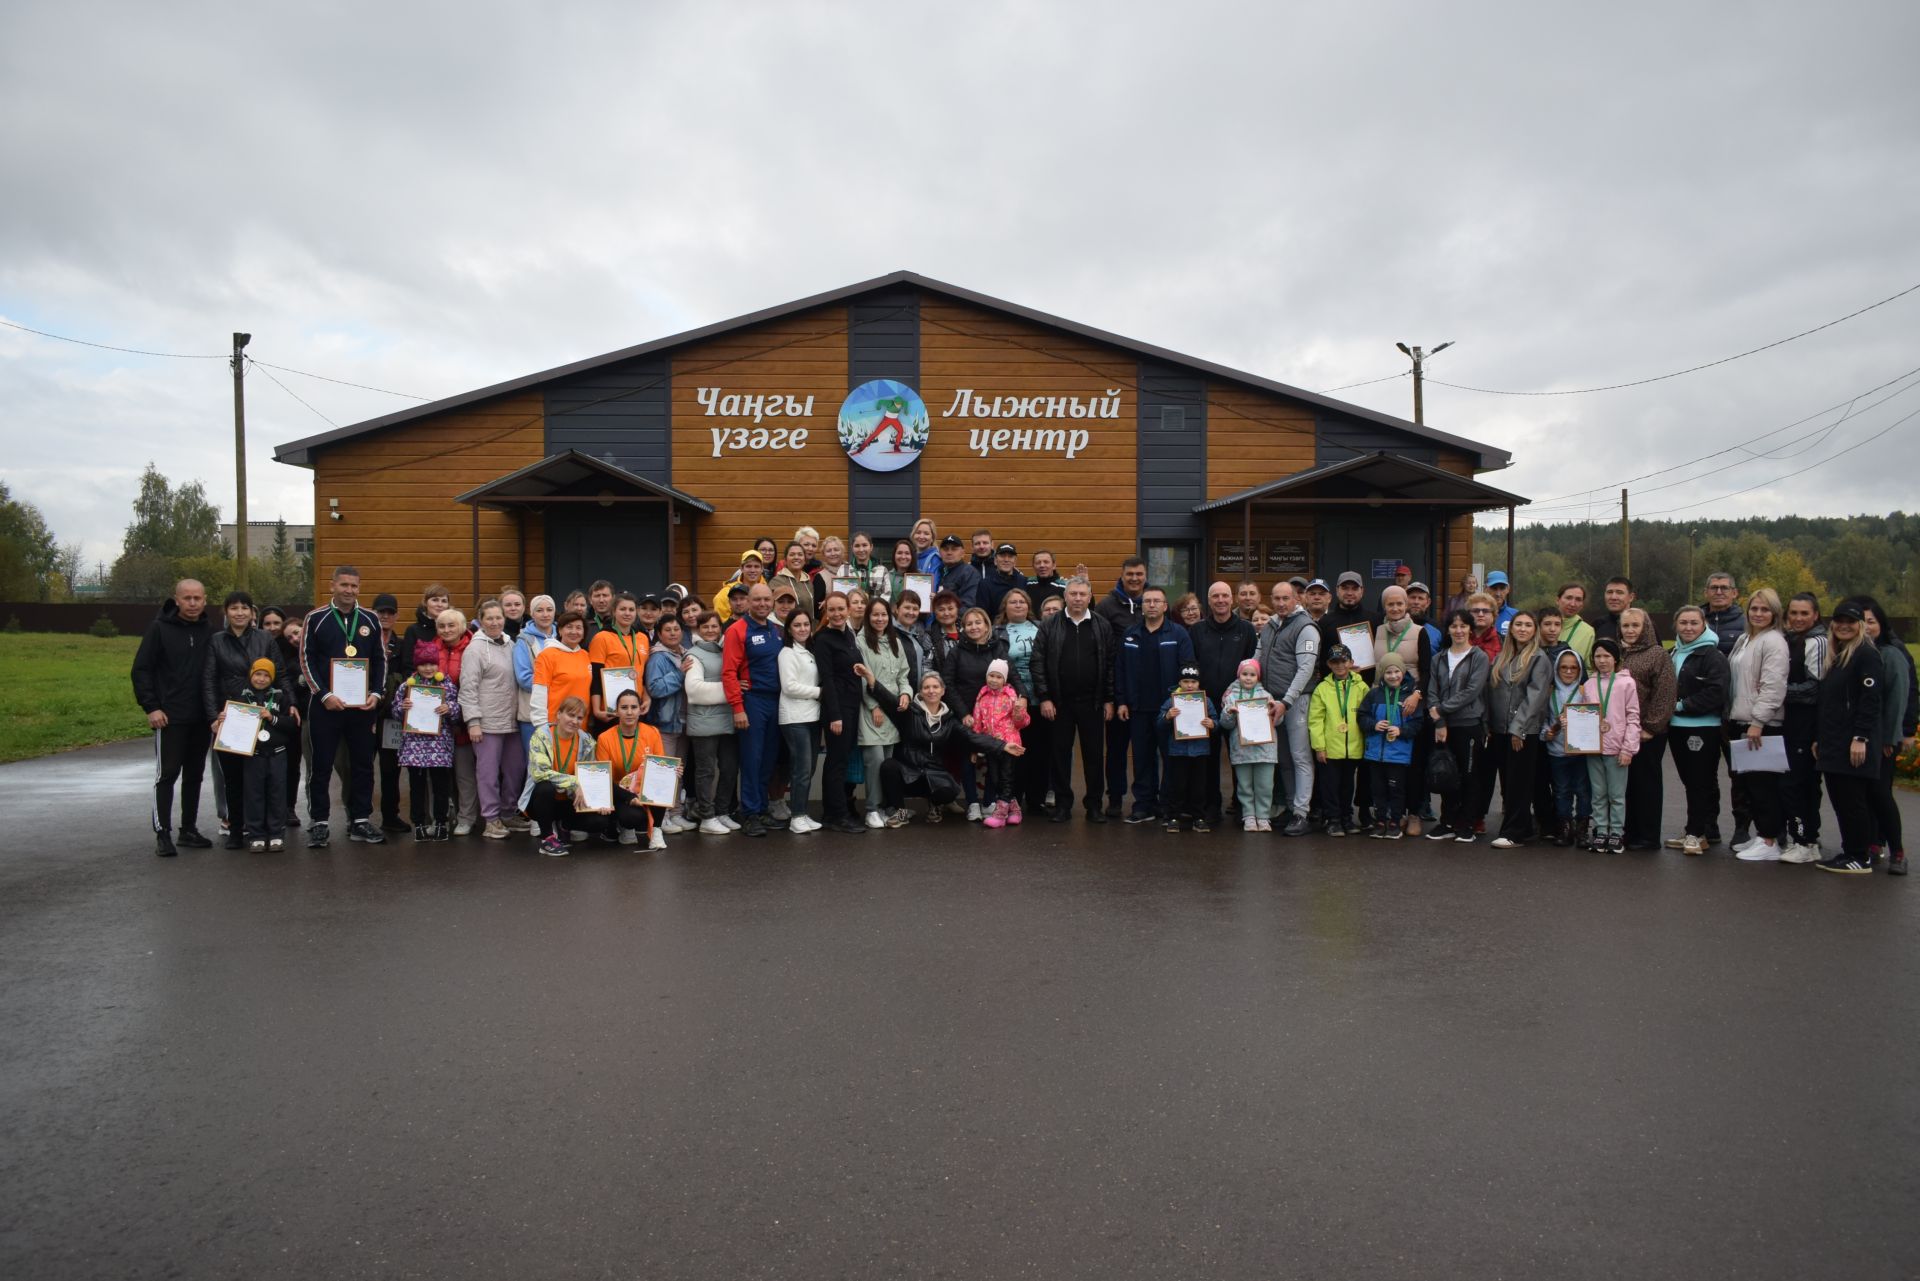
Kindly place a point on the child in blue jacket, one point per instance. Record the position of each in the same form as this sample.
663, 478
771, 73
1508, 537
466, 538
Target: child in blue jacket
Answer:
1185, 794
1389, 748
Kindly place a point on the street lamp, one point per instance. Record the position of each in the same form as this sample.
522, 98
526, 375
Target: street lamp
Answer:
1418, 355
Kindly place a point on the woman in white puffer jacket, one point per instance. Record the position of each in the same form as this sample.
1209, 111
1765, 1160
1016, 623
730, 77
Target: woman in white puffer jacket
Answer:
800, 716
1758, 666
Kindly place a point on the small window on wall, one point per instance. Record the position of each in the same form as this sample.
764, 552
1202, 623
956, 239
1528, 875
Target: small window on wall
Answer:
1170, 565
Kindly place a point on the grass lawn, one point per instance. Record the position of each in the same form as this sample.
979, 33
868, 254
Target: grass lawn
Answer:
59, 692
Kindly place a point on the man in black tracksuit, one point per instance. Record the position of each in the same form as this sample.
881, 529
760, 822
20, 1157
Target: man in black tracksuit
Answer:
167, 672
341, 629
1221, 642
1120, 609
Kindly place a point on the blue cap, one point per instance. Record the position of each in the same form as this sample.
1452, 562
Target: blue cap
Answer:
1496, 578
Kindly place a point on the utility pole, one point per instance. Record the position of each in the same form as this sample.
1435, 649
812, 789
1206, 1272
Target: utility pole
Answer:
1626, 540
1693, 536
1418, 355
240, 342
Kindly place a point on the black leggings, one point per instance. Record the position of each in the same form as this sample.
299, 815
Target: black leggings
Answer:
1852, 797
1886, 810
1646, 790
1699, 770
895, 789
1765, 794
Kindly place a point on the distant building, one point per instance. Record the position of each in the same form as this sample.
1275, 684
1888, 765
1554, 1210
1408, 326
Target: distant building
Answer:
260, 535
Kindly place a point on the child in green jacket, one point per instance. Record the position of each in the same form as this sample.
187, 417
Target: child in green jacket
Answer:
1338, 738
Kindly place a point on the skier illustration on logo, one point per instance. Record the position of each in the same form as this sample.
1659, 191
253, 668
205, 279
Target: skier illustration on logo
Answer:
884, 425
890, 410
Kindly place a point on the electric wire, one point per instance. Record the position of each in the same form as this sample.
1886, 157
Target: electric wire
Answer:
132, 351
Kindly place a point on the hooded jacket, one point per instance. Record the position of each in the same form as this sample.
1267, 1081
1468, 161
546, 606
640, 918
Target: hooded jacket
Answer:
1652, 671
1324, 723
526, 647
229, 667
1458, 693
1561, 695
965, 670
488, 696
667, 687
1849, 708
169, 666
1700, 679
1385, 704
1619, 715
1119, 610
1517, 703
1238, 751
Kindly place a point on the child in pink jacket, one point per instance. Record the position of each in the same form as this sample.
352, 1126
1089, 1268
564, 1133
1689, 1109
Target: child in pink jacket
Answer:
1612, 690
999, 713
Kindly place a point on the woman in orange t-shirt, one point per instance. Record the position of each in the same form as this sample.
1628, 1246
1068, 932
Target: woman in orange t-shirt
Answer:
562, 670
627, 746
621, 645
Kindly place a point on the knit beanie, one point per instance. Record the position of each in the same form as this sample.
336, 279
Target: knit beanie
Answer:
998, 667
262, 665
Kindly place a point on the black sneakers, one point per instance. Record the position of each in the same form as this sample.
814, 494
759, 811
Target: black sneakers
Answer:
363, 830
1848, 866
1897, 865
1296, 826
163, 846
317, 835
191, 838
1441, 833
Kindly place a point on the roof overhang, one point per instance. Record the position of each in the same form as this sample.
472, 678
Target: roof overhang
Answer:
299, 453
574, 477
1377, 479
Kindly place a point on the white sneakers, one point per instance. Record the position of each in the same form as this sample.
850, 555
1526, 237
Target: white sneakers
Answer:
629, 837
714, 827
732, 824
658, 841
803, 823
673, 824
1793, 853
495, 830
462, 828
1758, 850
974, 813
874, 820
1250, 824
779, 810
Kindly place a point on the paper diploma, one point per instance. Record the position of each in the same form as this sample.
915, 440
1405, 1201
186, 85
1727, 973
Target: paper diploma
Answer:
423, 711
349, 680
240, 731
1254, 725
659, 781
596, 786
1358, 637
1583, 729
1188, 711
921, 585
845, 584
1768, 758
615, 681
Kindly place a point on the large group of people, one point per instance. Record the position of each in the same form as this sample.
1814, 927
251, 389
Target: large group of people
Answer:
942, 681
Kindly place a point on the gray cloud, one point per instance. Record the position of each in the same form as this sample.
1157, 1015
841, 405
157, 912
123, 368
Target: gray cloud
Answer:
431, 198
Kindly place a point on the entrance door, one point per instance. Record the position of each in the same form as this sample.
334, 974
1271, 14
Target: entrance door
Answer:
626, 544
1371, 546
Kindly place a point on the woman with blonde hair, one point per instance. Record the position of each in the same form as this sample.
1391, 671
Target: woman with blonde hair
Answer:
1516, 713
1758, 666
925, 536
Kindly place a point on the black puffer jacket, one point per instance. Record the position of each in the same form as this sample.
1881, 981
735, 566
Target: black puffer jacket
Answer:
835, 653
965, 671
167, 668
924, 745
229, 667
1219, 649
422, 629
1849, 708
1700, 689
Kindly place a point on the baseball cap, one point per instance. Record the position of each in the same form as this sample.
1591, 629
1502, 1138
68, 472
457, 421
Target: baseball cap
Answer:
1339, 654
1497, 579
1005, 549
649, 599
1418, 587
738, 589
1351, 577
952, 540
1298, 583
385, 602
675, 591
1321, 583
1846, 609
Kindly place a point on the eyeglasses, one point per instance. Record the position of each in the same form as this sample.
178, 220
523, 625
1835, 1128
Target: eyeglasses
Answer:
1719, 587
1481, 609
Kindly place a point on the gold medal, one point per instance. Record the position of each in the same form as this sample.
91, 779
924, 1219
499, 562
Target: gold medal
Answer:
353, 651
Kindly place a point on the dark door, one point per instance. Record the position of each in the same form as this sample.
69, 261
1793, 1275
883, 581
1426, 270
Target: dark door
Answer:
626, 544
1370, 546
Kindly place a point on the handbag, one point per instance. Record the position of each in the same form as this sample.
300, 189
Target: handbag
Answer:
1443, 772
856, 767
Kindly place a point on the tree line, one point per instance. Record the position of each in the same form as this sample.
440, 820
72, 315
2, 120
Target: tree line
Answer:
1830, 556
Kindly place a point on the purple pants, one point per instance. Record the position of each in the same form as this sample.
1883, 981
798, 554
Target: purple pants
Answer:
500, 768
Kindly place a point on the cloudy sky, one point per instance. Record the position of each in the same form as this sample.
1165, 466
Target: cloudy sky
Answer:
431, 197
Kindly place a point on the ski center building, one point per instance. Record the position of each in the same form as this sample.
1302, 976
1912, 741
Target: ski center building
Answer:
866, 408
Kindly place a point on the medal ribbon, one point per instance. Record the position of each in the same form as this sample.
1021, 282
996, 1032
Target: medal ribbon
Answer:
567, 757
627, 754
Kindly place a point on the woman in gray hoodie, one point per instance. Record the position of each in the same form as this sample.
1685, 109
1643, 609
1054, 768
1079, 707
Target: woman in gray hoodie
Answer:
1516, 713
716, 755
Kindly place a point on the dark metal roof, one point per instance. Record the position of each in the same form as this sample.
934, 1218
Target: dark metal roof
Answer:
569, 470
299, 453
1398, 477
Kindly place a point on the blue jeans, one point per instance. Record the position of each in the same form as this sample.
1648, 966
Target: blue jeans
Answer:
759, 751
800, 744
1570, 785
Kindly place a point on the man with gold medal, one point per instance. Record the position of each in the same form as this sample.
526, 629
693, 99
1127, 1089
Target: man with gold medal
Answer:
342, 631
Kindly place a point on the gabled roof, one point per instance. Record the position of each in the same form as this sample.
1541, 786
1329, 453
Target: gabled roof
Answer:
1405, 479
558, 473
299, 453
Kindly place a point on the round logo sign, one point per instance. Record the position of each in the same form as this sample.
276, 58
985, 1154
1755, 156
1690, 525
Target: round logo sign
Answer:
884, 425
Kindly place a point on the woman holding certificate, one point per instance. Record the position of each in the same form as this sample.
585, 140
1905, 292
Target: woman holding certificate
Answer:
1759, 682
629, 748
617, 656
551, 797
231, 654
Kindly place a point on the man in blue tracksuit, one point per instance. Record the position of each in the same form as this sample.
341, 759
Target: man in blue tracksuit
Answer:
1148, 666
750, 673
1120, 609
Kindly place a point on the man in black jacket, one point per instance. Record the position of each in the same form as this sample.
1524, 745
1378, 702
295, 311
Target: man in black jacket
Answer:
1072, 668
340, 629
1724, 614
1045, 580
957, 574
1221, 642
167, 671
1120, 609
1002, 577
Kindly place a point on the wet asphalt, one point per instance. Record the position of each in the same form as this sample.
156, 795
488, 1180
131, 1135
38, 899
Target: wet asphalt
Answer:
1057, 1051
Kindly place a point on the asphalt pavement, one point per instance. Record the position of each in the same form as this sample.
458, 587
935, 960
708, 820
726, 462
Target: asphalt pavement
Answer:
1052, 1051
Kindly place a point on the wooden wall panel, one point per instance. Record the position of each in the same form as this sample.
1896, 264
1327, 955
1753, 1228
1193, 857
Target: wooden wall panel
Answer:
1084, 508
399, 524
760, 491
1253, 438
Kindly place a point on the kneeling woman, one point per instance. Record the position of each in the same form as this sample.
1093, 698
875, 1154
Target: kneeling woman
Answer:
930, 731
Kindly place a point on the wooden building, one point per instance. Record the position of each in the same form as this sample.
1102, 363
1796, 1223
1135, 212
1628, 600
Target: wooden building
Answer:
663, 462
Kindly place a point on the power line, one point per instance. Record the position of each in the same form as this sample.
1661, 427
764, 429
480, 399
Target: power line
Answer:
1641, 382
341, 381
1571, 499
267, 370
131, 351
1790, 475
1404, 373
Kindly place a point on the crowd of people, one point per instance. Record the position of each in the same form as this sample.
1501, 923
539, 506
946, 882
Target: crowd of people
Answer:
943, 681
